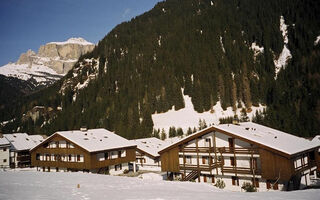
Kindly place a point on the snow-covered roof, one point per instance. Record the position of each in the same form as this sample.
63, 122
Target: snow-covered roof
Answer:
150, 145
78, 40
23, 141
96, 139
269, 137
4, 142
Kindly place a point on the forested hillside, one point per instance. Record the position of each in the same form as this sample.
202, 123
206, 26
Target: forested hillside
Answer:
221, 50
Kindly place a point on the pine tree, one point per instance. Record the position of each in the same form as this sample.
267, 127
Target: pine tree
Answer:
172, 132
189, 131
244, 117
156, 133
179, 132
194, 129
163, 134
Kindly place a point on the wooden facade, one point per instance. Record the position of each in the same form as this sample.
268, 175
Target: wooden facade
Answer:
170, 160
57, 157
201, 155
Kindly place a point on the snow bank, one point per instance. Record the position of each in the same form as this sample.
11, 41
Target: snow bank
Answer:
44, 185
285, 55
256, 49
188, 117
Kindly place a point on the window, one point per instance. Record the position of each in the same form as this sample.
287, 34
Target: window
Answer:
205, 159
235, 180
4, 149
70, 157
207, 142
255, 182
232, 161
119, 154
188, 159
38, 156
78, 158
106, 155
68, 145
4, 160
47, 157
57, 144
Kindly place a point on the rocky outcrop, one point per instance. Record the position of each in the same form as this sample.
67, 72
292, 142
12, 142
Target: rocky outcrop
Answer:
59, 56
26, 58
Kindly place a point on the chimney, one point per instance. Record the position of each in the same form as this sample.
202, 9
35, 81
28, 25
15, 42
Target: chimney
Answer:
235, 120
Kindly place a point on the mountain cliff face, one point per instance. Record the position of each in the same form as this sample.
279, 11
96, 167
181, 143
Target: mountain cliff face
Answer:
239, 55
52, 61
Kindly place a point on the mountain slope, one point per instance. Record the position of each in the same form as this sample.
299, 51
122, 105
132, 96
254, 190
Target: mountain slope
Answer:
217, 51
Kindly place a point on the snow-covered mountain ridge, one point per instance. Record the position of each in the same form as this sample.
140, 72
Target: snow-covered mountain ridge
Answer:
52, 61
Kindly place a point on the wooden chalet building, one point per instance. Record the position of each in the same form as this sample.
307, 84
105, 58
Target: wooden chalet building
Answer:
20, 144
147, 151
94, 150
245, 152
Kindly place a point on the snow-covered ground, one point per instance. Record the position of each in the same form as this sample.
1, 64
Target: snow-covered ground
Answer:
285, 55
188, 117
16, 185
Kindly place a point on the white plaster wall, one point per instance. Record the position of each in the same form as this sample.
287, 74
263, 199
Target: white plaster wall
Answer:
241, 143
4, 155
222, 140
113, 172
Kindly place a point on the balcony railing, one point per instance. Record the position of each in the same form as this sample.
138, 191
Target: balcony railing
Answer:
201, 167
240, 170
306, 166
237, 150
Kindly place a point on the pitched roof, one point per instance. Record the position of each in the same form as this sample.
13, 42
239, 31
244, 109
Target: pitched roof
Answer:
150, 146
23, 141
94, 140
4, 142
265, 136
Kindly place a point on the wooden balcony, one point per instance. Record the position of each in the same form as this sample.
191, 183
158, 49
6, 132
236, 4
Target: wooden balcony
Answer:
307, 166
240, 170
24, 158
203, 167
236, 150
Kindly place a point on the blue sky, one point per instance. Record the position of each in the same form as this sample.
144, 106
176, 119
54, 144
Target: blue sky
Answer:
27, 24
